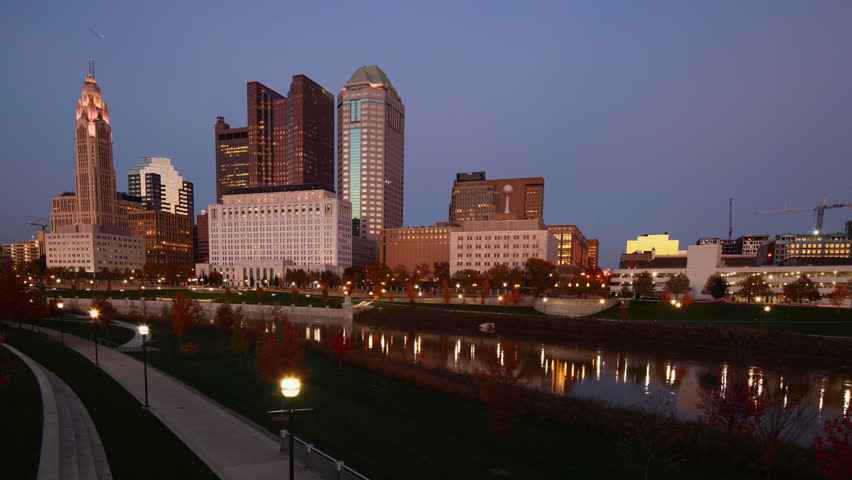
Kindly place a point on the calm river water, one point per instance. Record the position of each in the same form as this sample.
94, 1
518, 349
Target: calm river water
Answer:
615, 376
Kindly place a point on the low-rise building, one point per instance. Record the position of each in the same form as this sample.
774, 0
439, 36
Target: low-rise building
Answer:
480, 245
274, 229
661, 244
413, 246
572, 248
27, 251
786, 247
93, 248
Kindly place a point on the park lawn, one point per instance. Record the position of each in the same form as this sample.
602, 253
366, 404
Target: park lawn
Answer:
20, 418
807, 320
137, 444
245, 296
111, 335
385, 428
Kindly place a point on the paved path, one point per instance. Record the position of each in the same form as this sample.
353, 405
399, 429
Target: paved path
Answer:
232, 446
71, 448
132, 345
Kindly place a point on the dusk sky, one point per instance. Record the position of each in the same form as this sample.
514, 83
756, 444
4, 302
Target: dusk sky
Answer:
643, 117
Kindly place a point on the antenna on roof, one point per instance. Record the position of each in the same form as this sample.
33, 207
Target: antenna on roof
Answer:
730, 218
91, 68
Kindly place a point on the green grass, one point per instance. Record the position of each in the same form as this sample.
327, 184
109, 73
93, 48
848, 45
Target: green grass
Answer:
471, 307
808, 320
110, 335
20, 420
137, 444
385, 428
246, 296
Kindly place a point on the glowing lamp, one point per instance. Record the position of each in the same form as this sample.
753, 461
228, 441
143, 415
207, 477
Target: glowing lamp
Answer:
94, 314
290, 387
60, 305
143, 330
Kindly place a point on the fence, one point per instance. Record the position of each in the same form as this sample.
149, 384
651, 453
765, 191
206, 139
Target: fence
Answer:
319, 461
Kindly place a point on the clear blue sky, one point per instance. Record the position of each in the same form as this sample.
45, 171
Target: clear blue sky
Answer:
643, 117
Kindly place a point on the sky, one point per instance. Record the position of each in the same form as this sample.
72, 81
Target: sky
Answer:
643, 117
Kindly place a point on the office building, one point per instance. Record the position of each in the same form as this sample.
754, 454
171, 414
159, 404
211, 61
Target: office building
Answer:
658, 243
232, 157
572, 248
482, 244
259, 233
89, 228
370, 151
202, 238
160, 186
365, 251
749, 244
27, 251
474, 197
413, 246
594, 246
309, 134
168, 236
266, 126
804, 249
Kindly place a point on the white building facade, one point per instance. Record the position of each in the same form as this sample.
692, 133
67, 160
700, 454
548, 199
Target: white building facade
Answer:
260, 233
702, 261
93, 249
481, 245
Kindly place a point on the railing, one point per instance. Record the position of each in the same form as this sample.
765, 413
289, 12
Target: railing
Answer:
319, 461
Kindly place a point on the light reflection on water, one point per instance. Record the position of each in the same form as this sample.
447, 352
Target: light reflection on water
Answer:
619, 378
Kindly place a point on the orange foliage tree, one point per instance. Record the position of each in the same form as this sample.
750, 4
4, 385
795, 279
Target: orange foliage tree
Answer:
186, 314
340, 344
486, 285
834, 449
259, 292
280, 354
447, 292
499, 388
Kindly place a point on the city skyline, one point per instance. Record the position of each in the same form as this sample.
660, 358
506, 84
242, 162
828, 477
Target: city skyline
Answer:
635, 149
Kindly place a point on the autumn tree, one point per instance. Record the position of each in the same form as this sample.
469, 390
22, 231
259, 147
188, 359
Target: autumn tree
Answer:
802, 289
186, 314
280, 353
643, 285
259, 293
224, 317
421, 272
340, 345
294, 296
441, 272
215, 279
378, 273
753, 286
499, 388
498, 274
483, 294
515, 277
354, 274
678, 284
834, 448
839, 294
447, 293
466, 278
409, 292
732, 408
400, 275
716, 286
542, 274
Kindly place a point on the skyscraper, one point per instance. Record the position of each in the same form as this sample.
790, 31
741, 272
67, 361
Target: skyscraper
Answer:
160, 186
232, 157
88, 229
288, 141
309, 136
370, 151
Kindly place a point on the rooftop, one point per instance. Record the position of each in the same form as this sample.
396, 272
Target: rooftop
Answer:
371, 74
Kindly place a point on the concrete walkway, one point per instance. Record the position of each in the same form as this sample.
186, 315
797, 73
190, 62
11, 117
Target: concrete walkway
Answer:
232, 446
70, 445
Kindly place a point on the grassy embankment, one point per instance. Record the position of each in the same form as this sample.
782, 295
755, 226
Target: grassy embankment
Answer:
387, 428
20, 418
804, 319
137, 444
246, 296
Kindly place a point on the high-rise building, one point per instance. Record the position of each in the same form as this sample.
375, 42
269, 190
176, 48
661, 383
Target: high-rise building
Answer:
89, 227
289, 140
370, 151
167, 235
594, 246
202, 238
309, 134
232, 157
572, 248
473, 197
266, 126
160, 186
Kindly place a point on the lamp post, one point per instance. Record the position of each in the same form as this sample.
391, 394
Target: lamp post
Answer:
61, 306
94, 314
602, 302
290, 387
143, 330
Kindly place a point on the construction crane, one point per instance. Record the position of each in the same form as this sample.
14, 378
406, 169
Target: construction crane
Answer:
36, 224
820, 209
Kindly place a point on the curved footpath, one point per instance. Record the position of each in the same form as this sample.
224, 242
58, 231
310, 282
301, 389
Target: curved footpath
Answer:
70, 445
231, 445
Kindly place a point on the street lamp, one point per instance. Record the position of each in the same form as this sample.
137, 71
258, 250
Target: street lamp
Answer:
143, 330
290, 388
94, 313
61, 306
602, 302
767, 309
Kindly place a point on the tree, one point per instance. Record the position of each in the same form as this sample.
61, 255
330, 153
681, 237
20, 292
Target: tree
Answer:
542, 274
297, 277
643, 285
802, 289
515, 277
754, 285
186, 314
732, 408
280, 354
466, 278
499, 389
678, 284
486, 285
325, 294
294, 296
340, 344
441, 272
17, 299
447, 293
353, 274
259, 292
224, 317
716, 286
409, 292
421, 272
498, 274
839, 294
400, 275
378, 273
834, 448
215, 278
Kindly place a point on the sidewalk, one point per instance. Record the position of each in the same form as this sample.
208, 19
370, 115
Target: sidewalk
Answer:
232, 447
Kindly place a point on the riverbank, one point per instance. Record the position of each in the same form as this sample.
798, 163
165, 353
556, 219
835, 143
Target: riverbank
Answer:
702, 340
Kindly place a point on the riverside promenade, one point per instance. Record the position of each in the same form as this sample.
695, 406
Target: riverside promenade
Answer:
232, 446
